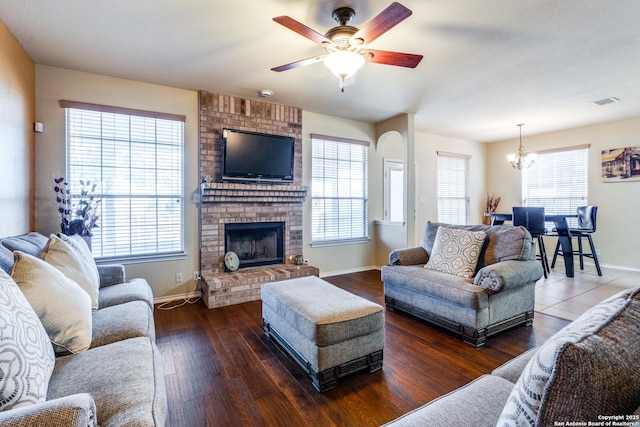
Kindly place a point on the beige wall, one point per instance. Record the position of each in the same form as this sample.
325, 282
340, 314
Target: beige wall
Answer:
17, 115
54, 84
341, 258
618, 204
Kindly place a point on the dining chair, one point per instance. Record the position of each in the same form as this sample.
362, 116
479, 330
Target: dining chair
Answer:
586, 227
532, 218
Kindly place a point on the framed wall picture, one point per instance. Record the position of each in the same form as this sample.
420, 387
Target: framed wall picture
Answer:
621, 164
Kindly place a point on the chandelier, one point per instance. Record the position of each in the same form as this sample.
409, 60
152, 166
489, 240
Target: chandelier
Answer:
523, 159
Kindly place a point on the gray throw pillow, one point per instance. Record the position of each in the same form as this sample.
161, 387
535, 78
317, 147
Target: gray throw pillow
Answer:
586, 370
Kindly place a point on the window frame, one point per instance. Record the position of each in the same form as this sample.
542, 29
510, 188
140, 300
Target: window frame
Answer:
320, 172
145, 248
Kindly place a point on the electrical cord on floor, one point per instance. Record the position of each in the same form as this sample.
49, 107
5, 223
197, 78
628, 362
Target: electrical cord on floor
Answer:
167, 305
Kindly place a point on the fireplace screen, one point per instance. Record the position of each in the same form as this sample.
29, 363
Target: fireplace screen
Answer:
255, 243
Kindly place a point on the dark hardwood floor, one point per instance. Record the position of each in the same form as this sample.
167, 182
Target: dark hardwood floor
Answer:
220, 370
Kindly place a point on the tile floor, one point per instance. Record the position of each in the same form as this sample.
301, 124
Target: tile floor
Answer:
569, 297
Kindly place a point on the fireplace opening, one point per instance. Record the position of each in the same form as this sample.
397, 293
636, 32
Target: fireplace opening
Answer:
255, 243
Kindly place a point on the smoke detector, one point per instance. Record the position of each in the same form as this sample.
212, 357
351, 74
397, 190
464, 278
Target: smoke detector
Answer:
265, 93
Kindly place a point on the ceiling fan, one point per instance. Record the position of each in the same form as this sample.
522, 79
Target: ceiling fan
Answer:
347, 47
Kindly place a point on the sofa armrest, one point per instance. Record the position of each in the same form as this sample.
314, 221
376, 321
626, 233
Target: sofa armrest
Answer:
408, 256
111, 274
512, 369
76, 410
508, 274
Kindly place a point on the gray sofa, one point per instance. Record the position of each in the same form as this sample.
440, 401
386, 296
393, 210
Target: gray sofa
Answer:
586, 374
119, 380
499, 295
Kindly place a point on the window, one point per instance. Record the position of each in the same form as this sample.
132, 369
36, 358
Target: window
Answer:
137, 159
453, 199
339, 190
393, 190
558, 181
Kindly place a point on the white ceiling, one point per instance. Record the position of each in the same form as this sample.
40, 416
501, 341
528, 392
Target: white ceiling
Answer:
488, 64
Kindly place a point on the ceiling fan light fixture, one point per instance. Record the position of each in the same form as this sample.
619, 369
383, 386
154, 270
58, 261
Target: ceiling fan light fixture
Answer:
343, 63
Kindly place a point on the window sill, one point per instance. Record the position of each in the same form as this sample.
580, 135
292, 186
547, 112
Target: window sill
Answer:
391, 223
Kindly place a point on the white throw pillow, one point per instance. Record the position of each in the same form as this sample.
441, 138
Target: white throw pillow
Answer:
73, 265
26, 354
80, 244
62, 306
456, 251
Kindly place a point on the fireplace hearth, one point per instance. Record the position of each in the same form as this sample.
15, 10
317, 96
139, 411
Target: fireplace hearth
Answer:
255, 243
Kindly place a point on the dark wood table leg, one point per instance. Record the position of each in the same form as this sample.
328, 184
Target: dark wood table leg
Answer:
564, 237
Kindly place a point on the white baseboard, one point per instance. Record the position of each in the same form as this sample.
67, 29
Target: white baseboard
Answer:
179, 297
589, 263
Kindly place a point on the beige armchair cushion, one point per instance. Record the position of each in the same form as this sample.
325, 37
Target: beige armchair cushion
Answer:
70, 261
62, 306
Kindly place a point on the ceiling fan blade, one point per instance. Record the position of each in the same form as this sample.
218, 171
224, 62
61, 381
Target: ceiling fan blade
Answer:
301, 29
400, 59
298, 64
381, 23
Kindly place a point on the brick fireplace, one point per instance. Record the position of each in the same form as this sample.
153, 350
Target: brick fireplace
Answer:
226, 204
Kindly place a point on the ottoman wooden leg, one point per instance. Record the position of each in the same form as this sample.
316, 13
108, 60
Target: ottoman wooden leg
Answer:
327, 379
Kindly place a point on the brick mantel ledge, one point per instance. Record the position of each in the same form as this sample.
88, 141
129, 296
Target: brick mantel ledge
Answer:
243, 285
223, 192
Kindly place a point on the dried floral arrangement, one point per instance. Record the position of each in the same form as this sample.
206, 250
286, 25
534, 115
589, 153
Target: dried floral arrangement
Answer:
78, 214
492, 203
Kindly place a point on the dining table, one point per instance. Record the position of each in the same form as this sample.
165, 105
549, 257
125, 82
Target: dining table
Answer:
561, 230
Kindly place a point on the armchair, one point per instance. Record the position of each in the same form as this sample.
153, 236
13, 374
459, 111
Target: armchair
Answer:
499, 295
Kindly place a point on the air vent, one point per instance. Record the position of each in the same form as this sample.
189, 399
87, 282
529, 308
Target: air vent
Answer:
606, 101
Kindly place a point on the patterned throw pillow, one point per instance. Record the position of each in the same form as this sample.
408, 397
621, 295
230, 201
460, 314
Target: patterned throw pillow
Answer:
62, 306
456, 251
26, 355
70, 262
589, 368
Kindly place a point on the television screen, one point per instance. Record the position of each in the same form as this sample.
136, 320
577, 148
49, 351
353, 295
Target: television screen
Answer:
252, 156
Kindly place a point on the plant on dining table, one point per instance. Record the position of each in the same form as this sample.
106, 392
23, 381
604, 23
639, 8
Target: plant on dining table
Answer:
492, 203
79, 213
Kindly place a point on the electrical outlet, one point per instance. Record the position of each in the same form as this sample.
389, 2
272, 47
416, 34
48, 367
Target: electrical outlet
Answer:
598, 252
196, 275
178, 277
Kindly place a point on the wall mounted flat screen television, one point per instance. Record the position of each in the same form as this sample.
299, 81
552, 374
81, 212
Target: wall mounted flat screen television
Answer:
257, 157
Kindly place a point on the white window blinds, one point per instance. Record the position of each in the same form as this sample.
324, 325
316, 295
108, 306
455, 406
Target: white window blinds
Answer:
453, 199
339, 190
137, 159
558, 181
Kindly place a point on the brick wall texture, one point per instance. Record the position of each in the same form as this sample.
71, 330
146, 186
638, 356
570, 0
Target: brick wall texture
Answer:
230, 202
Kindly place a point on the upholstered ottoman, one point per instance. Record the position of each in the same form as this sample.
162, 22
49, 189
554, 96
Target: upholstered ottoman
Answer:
327, 330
